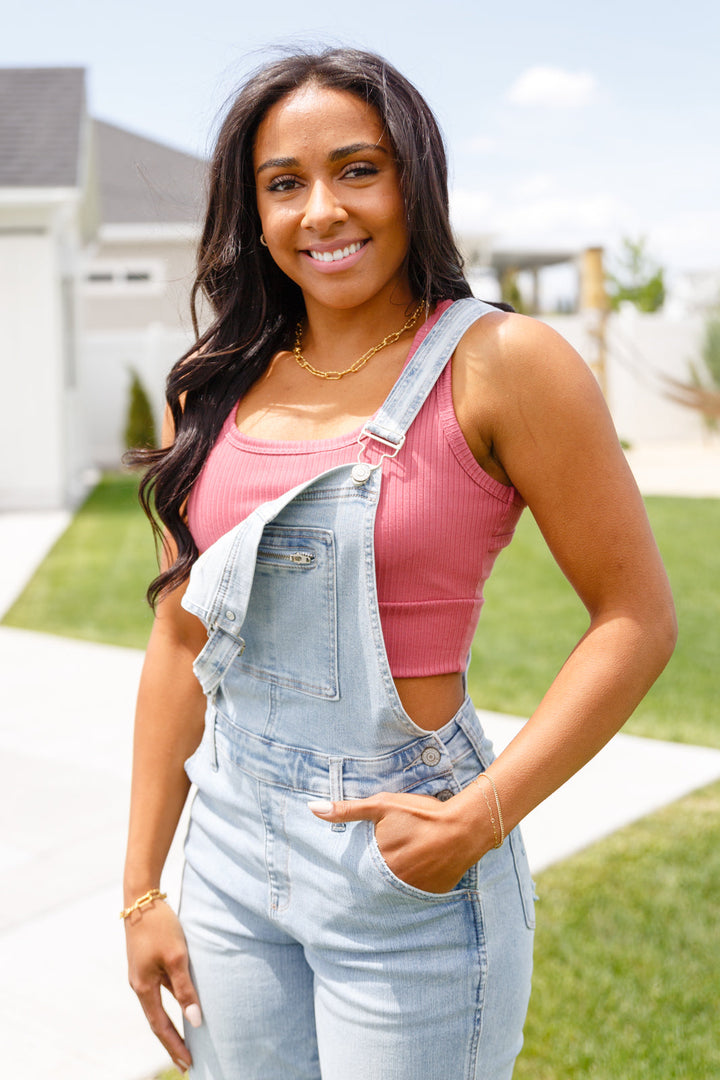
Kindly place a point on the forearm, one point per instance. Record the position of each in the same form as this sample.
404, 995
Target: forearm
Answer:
168, 728
599, 686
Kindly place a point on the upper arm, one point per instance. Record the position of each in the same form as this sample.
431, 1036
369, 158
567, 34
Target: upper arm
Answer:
175, 631
550, 427
173, 624
171, 619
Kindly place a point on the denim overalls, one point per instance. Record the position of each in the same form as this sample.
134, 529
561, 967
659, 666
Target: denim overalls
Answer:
311, 958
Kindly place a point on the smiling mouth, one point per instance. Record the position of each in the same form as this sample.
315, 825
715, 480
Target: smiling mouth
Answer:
338, 254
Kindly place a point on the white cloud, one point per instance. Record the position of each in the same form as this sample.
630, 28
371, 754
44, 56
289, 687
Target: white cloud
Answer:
574, 220
689, 239
532, 216
553, 88
471, 211
480, 144
535, 186
550, 221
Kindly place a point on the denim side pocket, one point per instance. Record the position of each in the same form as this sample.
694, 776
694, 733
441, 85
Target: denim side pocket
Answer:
459, 892
522, 871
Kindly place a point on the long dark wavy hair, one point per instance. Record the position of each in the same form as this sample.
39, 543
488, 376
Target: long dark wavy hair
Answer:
254, 306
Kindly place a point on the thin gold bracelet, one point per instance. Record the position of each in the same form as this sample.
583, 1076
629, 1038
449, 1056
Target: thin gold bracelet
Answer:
143, 901
497, 803
490, 812
485, 776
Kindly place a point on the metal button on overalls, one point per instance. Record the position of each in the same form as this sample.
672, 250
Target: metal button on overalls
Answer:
430, 755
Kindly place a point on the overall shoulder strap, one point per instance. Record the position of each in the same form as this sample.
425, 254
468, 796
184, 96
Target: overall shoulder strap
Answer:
391, 422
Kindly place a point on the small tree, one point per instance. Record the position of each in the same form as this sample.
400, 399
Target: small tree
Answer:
639, 280
140, 424
510, 291
711, 350
703, 390
708, 380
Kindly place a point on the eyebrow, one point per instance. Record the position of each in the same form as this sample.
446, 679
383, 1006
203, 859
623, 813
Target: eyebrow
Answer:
354, 148
334, 155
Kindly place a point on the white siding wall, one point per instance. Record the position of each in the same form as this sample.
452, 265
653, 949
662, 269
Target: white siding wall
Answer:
32, 432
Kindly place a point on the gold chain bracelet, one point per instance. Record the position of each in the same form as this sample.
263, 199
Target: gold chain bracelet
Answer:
143, 901
499, 839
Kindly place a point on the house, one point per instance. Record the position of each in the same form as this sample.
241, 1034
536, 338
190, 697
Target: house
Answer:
48, 214
136, 278
98, 228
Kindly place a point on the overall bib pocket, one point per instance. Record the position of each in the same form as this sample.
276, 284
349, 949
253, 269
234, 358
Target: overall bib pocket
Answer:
290, 632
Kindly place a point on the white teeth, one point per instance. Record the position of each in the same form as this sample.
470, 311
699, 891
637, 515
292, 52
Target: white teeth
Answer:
334, 256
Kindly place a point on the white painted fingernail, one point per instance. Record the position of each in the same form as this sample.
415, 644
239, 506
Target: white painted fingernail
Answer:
182, 1066
320, 806
193, 1015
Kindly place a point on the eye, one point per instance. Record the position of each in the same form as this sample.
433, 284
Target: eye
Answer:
359, 169
282, 183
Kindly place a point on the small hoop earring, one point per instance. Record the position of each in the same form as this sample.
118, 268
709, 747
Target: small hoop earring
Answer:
263, 241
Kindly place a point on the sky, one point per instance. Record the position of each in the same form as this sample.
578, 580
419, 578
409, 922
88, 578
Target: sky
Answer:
568, 124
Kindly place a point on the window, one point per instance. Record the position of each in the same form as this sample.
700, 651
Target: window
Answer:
134, 277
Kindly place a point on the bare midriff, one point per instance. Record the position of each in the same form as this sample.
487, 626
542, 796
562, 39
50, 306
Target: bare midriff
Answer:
432, 700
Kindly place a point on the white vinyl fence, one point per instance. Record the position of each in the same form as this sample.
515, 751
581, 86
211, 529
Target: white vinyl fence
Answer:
105, 363
641, 349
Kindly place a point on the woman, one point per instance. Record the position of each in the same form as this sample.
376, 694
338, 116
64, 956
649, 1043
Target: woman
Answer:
350, 444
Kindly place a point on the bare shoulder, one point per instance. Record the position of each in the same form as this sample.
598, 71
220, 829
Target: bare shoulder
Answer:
518, 352
516, 381
168, 423
167, 437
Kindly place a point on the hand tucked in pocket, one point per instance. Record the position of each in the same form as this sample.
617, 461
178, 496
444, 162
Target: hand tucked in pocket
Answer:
426, 843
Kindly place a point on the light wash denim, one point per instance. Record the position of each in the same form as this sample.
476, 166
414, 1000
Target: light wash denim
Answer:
312, 960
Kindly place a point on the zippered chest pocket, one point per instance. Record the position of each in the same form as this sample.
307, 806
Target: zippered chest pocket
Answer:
290, 630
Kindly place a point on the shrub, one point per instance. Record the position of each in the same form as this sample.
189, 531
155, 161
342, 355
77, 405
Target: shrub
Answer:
140, 425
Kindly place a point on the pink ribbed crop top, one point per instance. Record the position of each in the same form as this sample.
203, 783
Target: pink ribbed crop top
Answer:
441, 521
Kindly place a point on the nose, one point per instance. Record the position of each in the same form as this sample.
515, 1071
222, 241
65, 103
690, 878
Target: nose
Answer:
322, 209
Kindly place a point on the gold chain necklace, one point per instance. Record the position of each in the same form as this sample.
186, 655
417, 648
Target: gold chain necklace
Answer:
389, 340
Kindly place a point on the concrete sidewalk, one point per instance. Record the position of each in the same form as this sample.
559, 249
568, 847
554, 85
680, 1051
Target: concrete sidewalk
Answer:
65, 743
687, 469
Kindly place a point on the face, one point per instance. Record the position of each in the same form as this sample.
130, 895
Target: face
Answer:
329, 199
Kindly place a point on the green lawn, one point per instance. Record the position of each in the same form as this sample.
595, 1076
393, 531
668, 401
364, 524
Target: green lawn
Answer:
93, 582
626, 959
532, 619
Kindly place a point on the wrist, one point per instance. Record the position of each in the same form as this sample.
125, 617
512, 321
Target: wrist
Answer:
492, 800
148, 899
468, 813
136, 883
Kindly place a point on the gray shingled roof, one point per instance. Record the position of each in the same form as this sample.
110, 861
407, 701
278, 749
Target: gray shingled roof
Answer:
41, 118
144, 181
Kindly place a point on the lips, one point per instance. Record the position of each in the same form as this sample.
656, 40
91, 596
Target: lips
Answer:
336, 254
